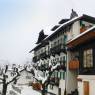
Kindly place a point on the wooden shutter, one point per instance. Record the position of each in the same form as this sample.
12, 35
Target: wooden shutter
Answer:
86, 87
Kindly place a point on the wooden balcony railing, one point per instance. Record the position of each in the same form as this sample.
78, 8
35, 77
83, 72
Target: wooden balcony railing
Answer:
44, 55
57, 49
54, 81
35, 59
74, 64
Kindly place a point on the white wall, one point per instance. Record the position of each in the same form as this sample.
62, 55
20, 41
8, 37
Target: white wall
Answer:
54, 90
75, 29
92, 87
71, 81
91, 80
71, 76
80, 88
62, 86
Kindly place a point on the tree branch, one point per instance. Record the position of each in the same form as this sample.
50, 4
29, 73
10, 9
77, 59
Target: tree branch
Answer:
15, 76
12, 79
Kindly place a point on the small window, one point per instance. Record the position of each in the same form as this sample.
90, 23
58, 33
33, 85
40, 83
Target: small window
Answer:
55, 43
62, 75
60, 58
56, 74
57, 59
63, 58
88, 58
53, 75
61, 40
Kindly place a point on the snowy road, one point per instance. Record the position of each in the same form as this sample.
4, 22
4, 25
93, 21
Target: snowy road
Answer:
29, 91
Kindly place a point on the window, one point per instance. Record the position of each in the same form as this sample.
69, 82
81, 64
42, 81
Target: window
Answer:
56, 74
65, 38
58, 42
61, 40
88, 58
55, 43
51, 61
60, 58
57, 59
53, 74
62, 75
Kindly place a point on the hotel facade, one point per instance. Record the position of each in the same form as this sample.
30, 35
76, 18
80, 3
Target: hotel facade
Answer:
72, 46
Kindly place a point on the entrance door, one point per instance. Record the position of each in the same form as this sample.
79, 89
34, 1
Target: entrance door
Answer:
86, 87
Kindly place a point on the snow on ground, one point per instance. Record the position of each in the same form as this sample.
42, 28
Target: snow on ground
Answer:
29, 91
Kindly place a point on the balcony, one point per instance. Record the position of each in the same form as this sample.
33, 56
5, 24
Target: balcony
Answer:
61, 67
41, 68
44, 55
35, 59
74, 64
58, 49
54, 81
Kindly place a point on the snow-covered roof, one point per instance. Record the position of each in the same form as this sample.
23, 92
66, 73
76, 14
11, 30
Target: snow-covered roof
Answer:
83, 17
81, 34
64, 24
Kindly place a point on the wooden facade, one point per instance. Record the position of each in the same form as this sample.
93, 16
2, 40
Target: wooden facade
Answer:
81, 44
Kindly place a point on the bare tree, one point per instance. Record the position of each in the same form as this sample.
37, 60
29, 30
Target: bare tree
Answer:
4, 78
45, 80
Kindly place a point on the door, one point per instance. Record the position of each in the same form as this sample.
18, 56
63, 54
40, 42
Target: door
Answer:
86, 87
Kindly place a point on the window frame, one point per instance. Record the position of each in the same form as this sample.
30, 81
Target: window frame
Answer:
86, 65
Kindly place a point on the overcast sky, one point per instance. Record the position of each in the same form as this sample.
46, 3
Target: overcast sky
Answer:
22, 20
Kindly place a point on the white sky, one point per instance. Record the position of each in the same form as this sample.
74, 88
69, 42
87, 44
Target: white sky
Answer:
22, 20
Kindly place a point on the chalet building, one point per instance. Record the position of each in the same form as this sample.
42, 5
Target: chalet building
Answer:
82, 48
59, 47
52, 50
49, 51
80, 57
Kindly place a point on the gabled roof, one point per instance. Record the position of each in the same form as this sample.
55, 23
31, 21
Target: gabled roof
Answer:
62, 26
41, 36
88, 18
81, 38
39, 46
63, 21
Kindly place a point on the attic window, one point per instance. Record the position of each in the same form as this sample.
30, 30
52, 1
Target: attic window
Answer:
41, 36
